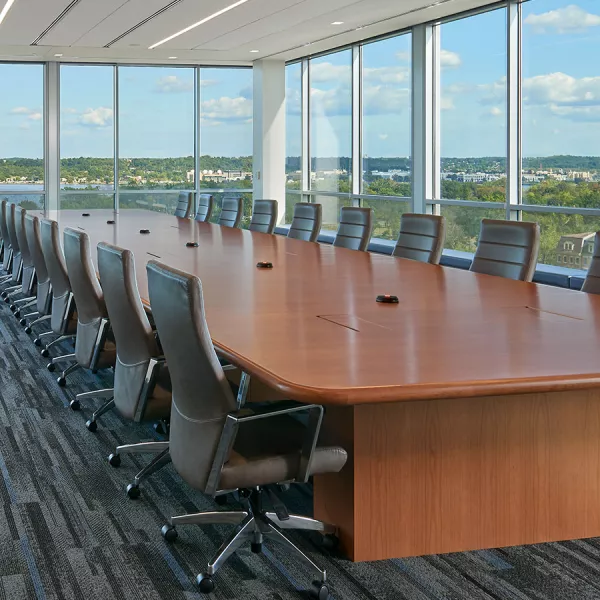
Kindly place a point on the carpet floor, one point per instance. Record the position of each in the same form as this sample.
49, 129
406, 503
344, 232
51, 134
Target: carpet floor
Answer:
68, 531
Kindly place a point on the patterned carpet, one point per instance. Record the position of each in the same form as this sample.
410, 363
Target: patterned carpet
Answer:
68, 530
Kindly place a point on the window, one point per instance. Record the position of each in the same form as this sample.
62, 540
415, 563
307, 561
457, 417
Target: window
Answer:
293, 137
86, 136
569, 246
473, 107
577, 260
22, 133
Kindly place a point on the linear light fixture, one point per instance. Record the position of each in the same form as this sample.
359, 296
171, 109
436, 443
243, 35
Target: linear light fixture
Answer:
5, 10
205, 20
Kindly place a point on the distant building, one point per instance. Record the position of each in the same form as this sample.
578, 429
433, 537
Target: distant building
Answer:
575, 251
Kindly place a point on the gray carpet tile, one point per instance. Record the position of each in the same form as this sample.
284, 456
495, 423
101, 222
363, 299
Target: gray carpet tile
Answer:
69, 531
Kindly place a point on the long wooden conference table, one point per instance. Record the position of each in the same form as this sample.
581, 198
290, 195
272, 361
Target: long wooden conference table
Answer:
470, 410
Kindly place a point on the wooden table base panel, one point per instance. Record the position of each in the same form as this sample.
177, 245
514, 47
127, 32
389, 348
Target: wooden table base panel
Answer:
442, 476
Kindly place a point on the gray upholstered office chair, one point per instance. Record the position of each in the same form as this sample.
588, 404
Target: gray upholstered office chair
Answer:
507, 249
421, 238
13, 284
231, 212
94, 348
306, 222
264, 216
142, 384
214, 446
354, 231
5, 241
43, 286
63, 318
591, 285
27, 269
205, 207
184, 205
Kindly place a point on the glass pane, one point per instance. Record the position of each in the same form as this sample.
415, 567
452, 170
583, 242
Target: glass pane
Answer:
165, 202
387, 117
473, 106
331, 210
156, 128
30, 202
89, 201
290, 201
87, 128
566, 240
463, 224
331, 122
386, 217
226, 137
561, 103
22, 127
293, 124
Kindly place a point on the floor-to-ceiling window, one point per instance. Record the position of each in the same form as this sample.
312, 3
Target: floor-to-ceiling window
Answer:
22, 134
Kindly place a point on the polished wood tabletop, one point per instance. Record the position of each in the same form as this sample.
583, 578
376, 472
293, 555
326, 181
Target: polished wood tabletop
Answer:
311, 327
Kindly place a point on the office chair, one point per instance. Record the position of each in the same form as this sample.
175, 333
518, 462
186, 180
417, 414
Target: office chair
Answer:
94, 348
43, 286
63, 318
142, 384
4, 240
354, 231
216, 447
507, 249
231, 212
184, 205
264, 216
591, 285
205, 208
13, 284
28, 277
421, 238
306, 222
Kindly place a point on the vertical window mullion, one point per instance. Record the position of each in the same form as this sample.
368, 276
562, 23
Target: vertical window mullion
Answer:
513, 112
357, 162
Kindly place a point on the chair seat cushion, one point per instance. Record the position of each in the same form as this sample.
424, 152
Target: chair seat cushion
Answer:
268, 451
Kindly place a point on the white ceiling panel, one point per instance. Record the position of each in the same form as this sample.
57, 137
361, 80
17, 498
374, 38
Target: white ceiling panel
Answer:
28, 18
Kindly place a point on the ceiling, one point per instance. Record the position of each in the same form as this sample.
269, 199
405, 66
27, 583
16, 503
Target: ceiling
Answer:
123, 30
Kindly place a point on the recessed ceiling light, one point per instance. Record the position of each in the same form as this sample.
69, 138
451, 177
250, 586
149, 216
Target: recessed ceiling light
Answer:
172, 58
253, 51
193, 26
58, 55
5, 10
338, 23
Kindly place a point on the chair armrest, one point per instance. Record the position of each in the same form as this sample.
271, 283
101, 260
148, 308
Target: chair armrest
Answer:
154, 366
237, 418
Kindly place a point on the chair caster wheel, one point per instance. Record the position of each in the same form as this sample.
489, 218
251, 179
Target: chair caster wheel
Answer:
92, 426
133, 491
23, 322
205, 583
328, 542
169, 533
221, 500
17, 314
62, 382
114, 460
45, 352
319, 591
13, 307
37, 342
51, 367
74, 405
28, 330
256, 547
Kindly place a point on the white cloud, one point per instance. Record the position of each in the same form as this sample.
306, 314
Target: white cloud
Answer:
327, 72
227, 109
495, 111
171, 84
30, 114
570, 19
383, 136
97, 117
330, 102
447, 103
386, 74
35, 116
381, 99
21, 110
450, 59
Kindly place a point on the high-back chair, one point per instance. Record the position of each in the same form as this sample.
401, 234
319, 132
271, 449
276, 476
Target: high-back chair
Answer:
591, 285
264, 216
215, 447
421, 238
94, 349
205, 207
6, 247
507, 249
231, 212
13, 284
306, 222
354, 231
142, 389
185, 204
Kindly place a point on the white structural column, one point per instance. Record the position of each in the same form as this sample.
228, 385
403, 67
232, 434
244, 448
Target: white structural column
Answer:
52, 135
269, 132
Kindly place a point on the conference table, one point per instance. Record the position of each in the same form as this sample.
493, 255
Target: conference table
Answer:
470, 410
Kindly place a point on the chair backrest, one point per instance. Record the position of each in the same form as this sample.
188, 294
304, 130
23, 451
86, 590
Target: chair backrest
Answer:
231, 212
306, 222
34, 241
89, 298
264, 216
11, 221
507, 249
136, 342
20, 214
591, 285
57, 271
3, 221
202, 396
421, 238
356, 225
184, 205
205, 207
